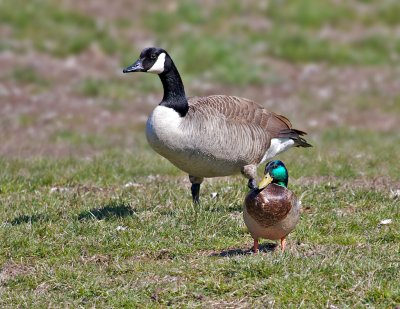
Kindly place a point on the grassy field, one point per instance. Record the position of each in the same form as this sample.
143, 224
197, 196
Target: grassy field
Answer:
90, 216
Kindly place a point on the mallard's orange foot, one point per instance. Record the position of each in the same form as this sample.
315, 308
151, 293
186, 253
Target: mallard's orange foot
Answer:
283, 244
255, 246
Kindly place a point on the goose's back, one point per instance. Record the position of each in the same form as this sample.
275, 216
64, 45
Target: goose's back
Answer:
232, 127
238, 111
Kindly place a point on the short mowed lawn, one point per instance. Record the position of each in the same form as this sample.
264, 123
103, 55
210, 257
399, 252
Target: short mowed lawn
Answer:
91, 217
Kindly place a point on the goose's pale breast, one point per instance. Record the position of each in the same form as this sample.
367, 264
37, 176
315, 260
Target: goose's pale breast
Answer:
188, 148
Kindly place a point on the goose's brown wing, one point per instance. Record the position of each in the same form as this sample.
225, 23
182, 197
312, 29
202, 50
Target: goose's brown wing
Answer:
240, 111
233, 129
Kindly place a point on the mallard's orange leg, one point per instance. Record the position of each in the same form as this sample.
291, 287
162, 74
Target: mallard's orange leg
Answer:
255, 246
283, 244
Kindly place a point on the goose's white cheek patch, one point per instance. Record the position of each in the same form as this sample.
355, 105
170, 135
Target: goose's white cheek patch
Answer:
158, 66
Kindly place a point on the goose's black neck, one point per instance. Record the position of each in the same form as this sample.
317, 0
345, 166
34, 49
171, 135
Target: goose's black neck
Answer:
174, 92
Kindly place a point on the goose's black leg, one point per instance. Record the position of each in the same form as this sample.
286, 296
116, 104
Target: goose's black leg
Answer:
196, 193
196, 181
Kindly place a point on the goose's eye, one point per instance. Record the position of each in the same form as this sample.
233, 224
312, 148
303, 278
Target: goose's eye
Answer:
153, 56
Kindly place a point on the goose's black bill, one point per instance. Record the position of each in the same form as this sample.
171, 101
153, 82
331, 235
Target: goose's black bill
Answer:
136, 67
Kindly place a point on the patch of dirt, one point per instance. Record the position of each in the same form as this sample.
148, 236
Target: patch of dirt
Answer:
101, 10
96, 259
219, 304
42, 288
58, 121
11, 270
159, 280
83, 190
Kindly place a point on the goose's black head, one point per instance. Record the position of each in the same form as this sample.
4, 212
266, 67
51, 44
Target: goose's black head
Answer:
151, 60
157, 61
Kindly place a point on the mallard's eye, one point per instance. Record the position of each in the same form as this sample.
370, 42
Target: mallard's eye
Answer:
153, 56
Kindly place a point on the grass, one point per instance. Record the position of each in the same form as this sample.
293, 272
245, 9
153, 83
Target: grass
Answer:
119, 89
96, 242
52, 29
311, 14
114, 228
28, 75
289, 30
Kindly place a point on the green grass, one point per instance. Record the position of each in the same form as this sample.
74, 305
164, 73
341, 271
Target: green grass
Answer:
118, 89
303, 46
311, 14
28, 75
216, 37
52, 29
115, 228
67, 247
293, 33
220, 56
347, 154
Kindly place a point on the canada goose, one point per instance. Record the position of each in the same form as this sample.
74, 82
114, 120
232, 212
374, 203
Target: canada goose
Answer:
271, 211
211, 136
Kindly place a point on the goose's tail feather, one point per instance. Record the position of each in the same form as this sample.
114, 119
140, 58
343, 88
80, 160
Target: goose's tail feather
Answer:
296, 136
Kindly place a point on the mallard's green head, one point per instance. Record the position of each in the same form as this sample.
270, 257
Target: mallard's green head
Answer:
275, 172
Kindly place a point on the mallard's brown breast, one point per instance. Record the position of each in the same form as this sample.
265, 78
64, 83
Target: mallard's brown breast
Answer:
269, 205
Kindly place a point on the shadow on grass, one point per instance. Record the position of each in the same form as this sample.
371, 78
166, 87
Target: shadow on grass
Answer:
28, 219
107, 212
267, 247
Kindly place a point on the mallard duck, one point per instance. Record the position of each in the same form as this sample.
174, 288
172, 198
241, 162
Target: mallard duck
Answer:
271, 211
211, 136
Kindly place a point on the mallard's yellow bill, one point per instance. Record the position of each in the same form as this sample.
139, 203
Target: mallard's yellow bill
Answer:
265, 181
